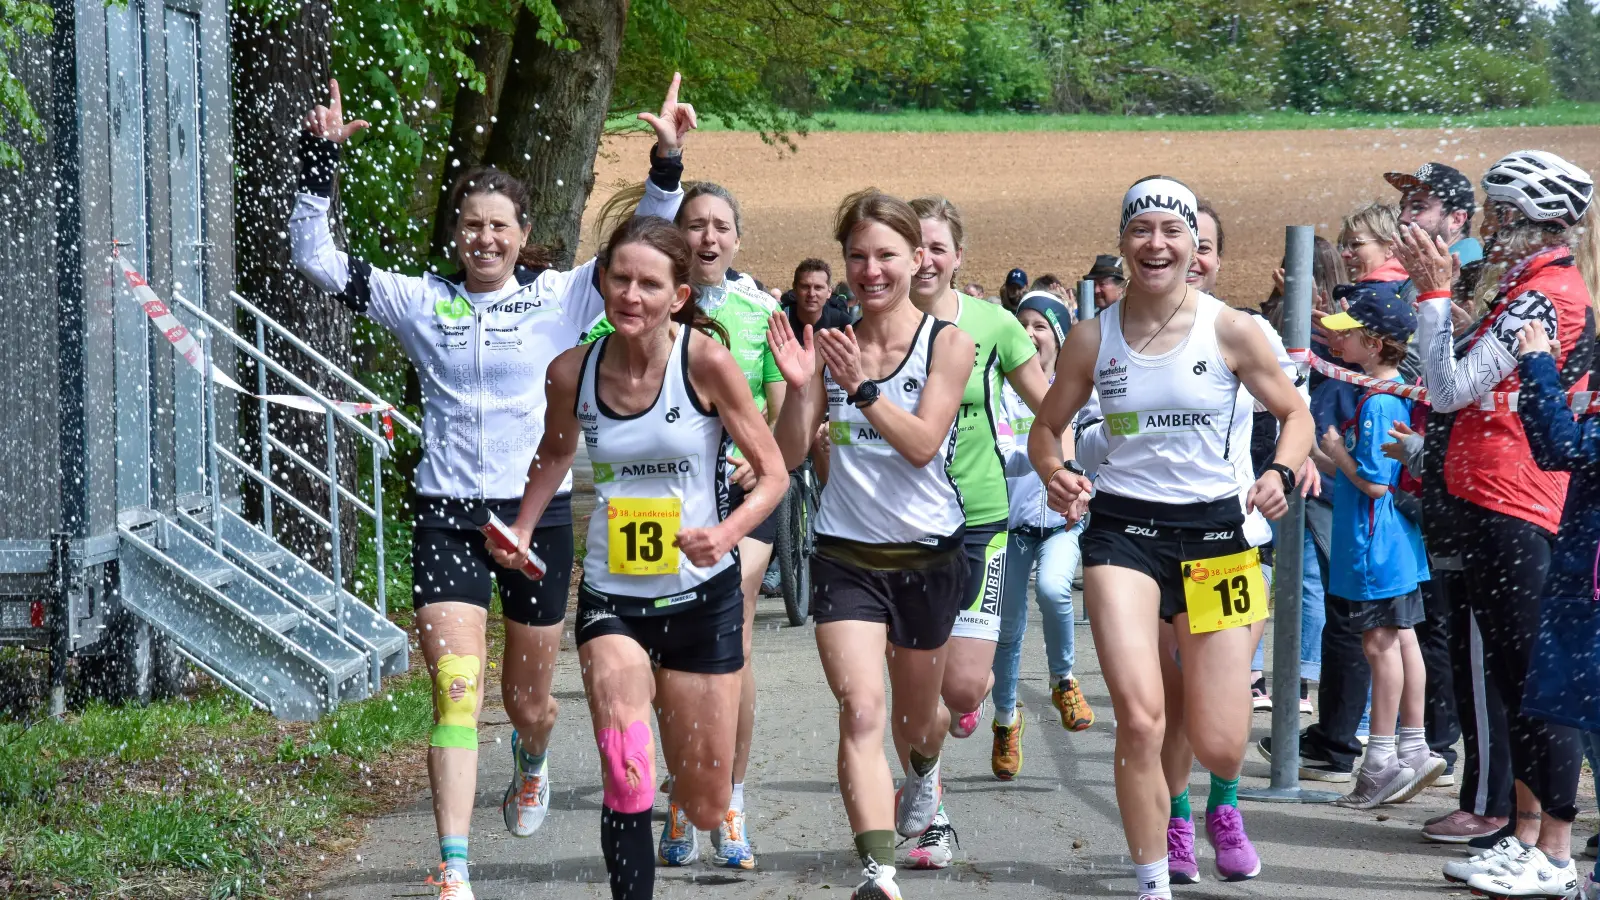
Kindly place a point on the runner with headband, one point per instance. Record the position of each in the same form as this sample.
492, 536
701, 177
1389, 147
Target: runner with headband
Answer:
889, 566
1165, 541
712, 222
1005, 355
660, 403
480, 342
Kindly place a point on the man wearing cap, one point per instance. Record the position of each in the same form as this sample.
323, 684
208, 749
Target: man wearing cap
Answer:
1011, 292
1439, 199
1106, 273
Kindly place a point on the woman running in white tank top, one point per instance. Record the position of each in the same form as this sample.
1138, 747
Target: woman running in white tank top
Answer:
1166, 539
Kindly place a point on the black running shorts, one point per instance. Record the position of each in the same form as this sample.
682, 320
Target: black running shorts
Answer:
706, 638
919, 605
1157, 538
450, 562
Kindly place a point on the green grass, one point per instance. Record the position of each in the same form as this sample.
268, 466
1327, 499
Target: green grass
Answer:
926, 121
197, 798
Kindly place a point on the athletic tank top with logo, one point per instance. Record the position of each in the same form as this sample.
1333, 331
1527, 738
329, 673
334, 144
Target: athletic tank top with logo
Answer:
1173, 422
874, 495
655, 473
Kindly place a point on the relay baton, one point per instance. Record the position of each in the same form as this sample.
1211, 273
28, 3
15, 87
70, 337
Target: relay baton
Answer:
501, 536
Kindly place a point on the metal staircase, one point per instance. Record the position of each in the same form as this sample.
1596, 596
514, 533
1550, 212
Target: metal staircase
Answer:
234, 601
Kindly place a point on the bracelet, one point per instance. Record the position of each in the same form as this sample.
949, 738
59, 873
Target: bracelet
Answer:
1284, 472
1434, 295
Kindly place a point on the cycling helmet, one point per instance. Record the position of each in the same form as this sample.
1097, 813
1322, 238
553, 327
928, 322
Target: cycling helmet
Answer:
1546, 188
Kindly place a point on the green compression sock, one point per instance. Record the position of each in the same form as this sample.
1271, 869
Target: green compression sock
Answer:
1180, 806
1223, 793
920, 764
876, 845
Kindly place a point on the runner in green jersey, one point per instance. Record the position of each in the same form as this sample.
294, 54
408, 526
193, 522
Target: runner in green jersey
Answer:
1004, 350
710, 219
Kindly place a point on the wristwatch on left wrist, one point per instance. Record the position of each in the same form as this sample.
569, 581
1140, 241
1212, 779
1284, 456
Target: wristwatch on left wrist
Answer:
1286, 473
866, 394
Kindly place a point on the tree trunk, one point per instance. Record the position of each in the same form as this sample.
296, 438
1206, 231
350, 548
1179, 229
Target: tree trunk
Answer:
472, 123
552, 114
280, 70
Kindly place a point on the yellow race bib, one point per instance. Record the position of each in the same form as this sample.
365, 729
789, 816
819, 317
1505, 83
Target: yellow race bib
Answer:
642, 535
1224, 591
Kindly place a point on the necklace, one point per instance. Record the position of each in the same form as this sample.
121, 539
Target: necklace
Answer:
1170, 316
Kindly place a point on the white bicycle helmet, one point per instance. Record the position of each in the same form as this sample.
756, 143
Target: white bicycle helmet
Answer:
1547, 188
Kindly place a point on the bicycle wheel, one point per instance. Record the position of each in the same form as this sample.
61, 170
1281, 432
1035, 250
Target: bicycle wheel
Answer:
794, 569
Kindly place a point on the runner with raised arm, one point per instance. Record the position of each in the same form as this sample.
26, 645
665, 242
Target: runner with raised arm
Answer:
480, 342
1165, 541
889, 568
660, 404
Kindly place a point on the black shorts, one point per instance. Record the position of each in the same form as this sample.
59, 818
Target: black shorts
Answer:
706, 638
919, 605
449, 562
985, 549
1158, 538
1404, 611
767, 531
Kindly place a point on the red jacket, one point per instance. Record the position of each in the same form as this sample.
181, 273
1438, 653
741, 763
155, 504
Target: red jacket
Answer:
1488, 462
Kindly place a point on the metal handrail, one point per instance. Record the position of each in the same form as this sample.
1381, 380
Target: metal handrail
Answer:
266, 482
322, 476
295, 342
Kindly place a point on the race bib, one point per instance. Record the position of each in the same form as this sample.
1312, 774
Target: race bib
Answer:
1224, 591
642, 534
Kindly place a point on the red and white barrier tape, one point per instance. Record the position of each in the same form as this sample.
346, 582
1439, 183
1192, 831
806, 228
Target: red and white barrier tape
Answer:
1581, 402
184, 344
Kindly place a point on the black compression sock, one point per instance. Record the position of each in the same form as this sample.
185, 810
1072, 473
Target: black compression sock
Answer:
625, 841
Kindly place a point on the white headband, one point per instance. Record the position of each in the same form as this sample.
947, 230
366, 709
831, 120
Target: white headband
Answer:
1161, 195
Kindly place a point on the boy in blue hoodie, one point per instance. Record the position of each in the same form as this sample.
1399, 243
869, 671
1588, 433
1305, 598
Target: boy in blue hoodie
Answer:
1376, 559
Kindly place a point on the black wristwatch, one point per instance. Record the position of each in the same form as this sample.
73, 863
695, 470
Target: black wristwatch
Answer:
1072, 466
866, 394
1286, 473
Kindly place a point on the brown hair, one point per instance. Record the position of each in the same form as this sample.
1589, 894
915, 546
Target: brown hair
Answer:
812, 264
663, 237
873, 205
696, 189
937, 207
1204, 208
1391, 352
489, 180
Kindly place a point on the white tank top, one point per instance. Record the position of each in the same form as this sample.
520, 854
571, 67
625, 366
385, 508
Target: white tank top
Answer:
675, 450
1173, 422
873, 494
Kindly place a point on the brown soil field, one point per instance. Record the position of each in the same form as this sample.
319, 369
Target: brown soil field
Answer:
1048, 202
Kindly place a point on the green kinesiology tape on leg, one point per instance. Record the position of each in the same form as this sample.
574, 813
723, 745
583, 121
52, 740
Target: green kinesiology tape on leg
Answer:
455, 696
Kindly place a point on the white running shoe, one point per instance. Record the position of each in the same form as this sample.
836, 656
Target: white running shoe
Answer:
935, 850
1425, 770
877, 883
730, 843
1490, 861
917, 801
527, 800
452, 886
1529, 874
1377, 788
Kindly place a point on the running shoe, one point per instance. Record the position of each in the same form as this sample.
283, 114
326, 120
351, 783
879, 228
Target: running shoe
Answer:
1236, 856
1070, 702
1183, 866
1311, 768
917, 801
965, 724
1528, 874
731, 843
1006, 757
680, 841
1375, 788
1489, 862
1427, 767
451, 886
1590, 889
527, 800
877, 883
1447, 778
1259, 698
935, 848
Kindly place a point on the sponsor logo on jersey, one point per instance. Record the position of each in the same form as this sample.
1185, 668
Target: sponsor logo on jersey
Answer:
454, 307
992, 572
1112, 369
634, 470
675, 599
1199, 367
853, 433
1162, 421
519, 306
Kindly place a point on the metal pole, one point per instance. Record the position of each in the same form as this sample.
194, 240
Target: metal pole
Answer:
213, 472
1086, 308
266, 446
377, 519
333, 522
1289, 563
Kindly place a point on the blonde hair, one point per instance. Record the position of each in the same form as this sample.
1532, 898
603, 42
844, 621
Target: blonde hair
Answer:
1381, 220
1518, 237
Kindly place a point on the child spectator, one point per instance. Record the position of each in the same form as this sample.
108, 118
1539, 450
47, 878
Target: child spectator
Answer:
1378, 560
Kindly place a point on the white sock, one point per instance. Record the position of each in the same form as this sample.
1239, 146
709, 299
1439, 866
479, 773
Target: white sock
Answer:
737, 802
1005, 717
1412, 741
1380, 752
1153, 878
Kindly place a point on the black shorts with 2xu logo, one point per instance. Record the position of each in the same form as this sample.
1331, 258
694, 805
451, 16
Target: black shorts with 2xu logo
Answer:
1158, 538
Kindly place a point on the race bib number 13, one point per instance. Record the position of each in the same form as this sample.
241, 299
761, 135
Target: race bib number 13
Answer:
1224, 591
642, 534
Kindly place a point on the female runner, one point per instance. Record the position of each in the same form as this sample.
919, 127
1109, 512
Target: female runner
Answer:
480, 343
889, 566
1165, 541
660, 610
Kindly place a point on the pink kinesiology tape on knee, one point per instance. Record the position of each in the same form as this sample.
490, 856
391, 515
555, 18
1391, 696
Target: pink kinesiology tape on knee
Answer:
622, 752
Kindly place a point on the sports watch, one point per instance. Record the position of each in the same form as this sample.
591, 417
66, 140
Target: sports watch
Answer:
866, 394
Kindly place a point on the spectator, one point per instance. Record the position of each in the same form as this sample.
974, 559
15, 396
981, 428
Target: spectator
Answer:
1052, 285
1106, 273
975, 290
1016, 285
810, 302
1439, 199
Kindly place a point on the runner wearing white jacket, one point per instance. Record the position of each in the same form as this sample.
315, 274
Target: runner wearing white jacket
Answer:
480, 342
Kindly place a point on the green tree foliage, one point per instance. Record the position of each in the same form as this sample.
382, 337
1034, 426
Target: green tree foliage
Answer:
19, 20
1575, 50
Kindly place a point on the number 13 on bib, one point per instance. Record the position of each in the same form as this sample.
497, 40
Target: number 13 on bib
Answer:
643, 535
1224, 591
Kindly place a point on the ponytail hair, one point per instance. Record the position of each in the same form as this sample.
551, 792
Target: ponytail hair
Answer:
490, 180
663, 237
